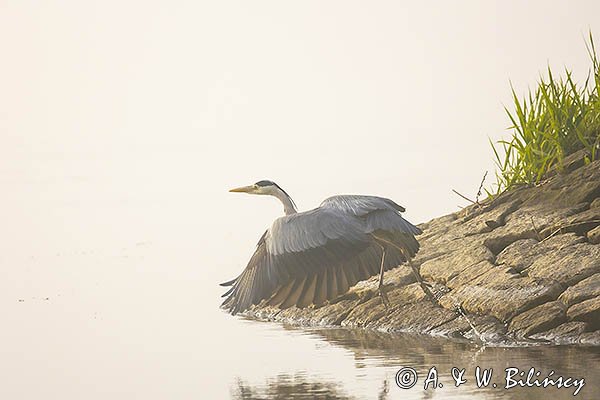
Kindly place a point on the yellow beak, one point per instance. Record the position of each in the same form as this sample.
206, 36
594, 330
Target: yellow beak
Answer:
243, 189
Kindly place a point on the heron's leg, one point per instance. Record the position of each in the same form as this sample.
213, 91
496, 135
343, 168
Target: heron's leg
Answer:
382, 293
421, 282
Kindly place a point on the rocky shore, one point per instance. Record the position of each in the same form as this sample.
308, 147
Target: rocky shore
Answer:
524, 268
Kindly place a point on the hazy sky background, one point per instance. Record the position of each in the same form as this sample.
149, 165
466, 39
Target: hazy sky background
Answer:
124, 123
125, 119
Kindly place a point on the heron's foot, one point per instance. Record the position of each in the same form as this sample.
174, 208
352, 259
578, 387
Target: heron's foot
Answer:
427, 289
384, 298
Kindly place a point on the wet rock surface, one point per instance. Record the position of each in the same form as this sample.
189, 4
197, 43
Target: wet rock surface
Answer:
523, 268
567, 333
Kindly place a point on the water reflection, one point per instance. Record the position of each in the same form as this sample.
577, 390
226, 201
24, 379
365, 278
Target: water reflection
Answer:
298, 386
382, 354
422, 352
286, 386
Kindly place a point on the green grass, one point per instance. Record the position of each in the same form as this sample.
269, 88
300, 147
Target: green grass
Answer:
556, 119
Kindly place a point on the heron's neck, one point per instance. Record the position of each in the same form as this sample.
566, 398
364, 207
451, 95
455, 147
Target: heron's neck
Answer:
288, 205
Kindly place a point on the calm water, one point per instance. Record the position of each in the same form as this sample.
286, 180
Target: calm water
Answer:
375, 358
136, 322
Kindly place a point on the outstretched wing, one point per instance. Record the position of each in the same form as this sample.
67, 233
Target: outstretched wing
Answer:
314, 256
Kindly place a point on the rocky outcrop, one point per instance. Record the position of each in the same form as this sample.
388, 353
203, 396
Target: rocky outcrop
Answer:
524, 267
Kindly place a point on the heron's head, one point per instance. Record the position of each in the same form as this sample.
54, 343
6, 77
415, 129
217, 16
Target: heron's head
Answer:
260, 187
272, 189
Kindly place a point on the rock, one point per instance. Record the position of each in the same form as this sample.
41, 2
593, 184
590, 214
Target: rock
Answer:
583, 222
567, 265
546, 316
527, 223
590, 338
444, 268
586, 289
400, 276
471, 273
518, 255
502, 294
587, 311
488, 221
567, 333
327, 315
581, 186
372, 311
584, 193
569, 163
489, 329
578, 219
515, 229
415, 317
365, 315
522, 253
434, 246
557, 220
594, 235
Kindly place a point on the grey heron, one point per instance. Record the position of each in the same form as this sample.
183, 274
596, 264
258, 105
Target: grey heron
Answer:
317, 255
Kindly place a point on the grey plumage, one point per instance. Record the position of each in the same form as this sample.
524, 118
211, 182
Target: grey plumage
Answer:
314, 256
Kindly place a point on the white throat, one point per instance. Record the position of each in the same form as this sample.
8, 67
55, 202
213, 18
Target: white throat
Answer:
288, 204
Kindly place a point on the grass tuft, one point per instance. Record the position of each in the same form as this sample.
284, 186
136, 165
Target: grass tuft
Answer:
556, 119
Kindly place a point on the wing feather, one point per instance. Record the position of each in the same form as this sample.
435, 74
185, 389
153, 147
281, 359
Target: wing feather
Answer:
342, 281
321, 288
281, 294
332, 289
295, 293
308, 294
